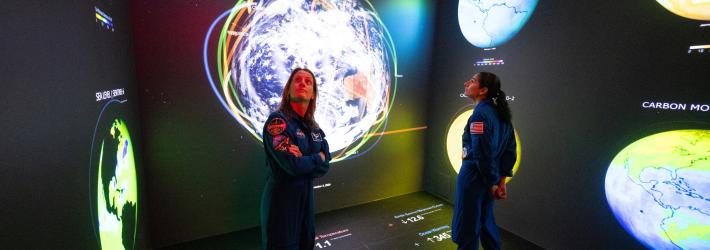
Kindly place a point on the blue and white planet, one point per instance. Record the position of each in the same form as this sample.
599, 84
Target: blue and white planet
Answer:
490, 23
344, 43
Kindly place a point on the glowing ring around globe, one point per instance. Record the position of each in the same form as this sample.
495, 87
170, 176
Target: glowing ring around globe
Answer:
257, 48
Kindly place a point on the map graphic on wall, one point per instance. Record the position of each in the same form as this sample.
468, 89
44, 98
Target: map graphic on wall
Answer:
658, 188
114, 180
490, 23
344, 43
691, 9
454, 146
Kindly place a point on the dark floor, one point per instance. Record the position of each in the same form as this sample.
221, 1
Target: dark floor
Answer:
413, 221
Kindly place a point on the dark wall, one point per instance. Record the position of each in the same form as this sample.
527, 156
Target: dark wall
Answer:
206, 172
56, 57
580, 72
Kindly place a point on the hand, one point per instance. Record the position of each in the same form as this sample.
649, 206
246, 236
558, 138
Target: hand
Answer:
494, 192
293, 149
322, 156
502, 191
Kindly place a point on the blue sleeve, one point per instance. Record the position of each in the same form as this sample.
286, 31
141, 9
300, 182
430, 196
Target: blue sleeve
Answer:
481, 133
510, 155
276, 142
325, 165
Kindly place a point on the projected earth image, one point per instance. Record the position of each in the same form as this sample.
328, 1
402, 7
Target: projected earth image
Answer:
490, 23
116, 191
343, 42
453, 143
691, 9
658, 188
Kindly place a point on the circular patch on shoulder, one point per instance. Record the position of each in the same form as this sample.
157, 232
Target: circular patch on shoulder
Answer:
276, 126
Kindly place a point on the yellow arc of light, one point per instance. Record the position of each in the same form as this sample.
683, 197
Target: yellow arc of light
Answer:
691, 9
396, 131
227, 57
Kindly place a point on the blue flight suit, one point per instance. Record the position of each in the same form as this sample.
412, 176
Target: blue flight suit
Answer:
488, 153
287, 210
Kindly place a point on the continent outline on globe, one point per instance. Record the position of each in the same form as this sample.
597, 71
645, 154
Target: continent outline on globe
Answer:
491, 23
113, 179
665, 197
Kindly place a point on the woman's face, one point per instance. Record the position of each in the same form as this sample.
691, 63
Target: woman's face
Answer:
301, 87
472, 88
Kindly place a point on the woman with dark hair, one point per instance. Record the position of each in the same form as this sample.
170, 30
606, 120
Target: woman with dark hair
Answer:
488, 157
296, 153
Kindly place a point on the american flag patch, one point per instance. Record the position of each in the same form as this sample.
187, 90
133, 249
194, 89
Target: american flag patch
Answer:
477, 128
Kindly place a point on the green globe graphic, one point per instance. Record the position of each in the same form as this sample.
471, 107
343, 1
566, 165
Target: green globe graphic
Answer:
117, 192
490, 23
659, 189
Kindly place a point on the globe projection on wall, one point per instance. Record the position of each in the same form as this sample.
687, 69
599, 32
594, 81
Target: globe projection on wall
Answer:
454, 147
691, 9
490, 23
658, 187
344, 43
116, 189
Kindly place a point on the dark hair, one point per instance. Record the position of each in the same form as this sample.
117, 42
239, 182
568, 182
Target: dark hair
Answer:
495, 94
285, 106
